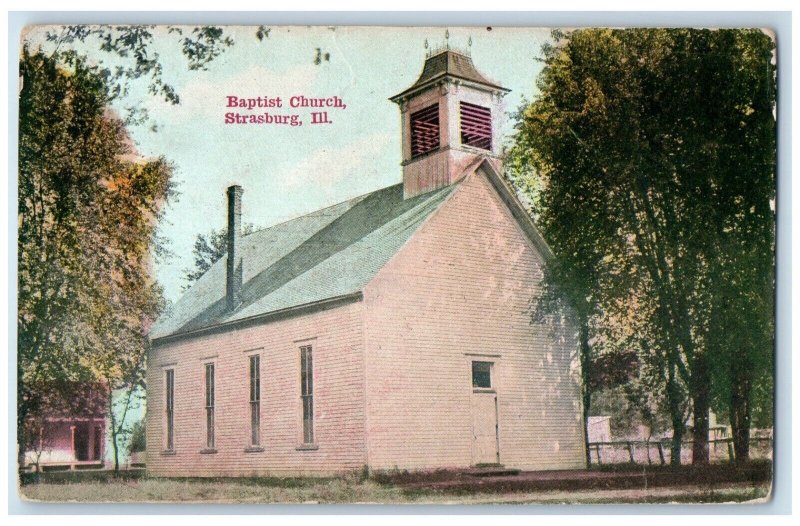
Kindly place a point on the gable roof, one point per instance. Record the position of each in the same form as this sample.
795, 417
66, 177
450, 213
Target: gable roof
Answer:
324, 255
448, 63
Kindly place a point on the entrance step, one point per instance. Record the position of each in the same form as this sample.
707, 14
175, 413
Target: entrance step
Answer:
492, 470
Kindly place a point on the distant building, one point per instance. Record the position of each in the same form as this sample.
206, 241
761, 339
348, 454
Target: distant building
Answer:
70, 435
599, 429
392, 330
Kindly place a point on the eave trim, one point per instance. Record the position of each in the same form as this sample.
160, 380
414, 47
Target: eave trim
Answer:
266, 317
519, 212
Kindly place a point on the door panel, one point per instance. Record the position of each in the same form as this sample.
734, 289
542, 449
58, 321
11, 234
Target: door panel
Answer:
484, 428
98, 443
82, 442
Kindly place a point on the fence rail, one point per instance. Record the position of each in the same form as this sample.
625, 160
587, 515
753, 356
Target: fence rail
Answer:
650, 451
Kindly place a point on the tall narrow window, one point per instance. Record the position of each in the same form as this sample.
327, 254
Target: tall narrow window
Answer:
425, 130
170, 407
210, 405
255, 400
307, 393
476, 126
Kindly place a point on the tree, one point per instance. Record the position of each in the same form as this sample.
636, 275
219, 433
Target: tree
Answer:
86, 222
650, 148
138, 441
87, 217
134, 45
742, 320
128, 394
208, 249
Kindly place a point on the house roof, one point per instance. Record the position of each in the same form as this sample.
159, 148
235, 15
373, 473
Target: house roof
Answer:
448, 63
330, 253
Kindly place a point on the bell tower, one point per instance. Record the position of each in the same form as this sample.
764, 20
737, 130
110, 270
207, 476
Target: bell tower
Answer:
449, 117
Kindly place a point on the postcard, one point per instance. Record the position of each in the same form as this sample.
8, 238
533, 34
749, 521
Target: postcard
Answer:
285, 264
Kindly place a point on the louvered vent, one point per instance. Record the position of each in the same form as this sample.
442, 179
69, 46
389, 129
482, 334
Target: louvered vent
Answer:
476, 126
425, 130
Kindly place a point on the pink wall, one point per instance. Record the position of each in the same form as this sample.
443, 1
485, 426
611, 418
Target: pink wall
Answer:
336, 337
392, 374
460, 290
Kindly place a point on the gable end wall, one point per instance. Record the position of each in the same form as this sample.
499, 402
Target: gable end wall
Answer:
461, 290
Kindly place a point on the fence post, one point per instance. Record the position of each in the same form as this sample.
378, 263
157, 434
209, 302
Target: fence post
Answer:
730, 450
630, 452
599, 460
661, 452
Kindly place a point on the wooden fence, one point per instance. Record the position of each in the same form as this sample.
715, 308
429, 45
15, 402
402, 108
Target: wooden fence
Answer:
658, 451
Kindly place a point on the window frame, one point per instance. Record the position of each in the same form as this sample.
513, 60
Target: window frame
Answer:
254, 398
413, 136
209, 398
307, 395
169, 409
472, 107
491, 373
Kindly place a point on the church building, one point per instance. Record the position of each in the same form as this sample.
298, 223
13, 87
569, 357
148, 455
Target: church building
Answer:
392, 330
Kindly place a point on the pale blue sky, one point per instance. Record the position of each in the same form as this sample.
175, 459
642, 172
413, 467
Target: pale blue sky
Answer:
289, 171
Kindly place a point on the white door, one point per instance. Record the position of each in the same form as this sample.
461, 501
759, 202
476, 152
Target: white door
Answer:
484, 428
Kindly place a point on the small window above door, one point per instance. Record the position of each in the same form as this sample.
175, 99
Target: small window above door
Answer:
482, 375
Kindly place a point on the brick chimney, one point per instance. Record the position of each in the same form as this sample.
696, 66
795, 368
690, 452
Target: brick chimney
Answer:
234, 276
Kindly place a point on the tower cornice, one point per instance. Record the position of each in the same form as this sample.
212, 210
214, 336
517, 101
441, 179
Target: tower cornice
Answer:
449, 66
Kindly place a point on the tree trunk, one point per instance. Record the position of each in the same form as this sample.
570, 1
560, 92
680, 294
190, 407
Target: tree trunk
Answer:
701, 400
21, 444
674, 400
740, 416
116, 452
22, 415
585, 357
675, 445
113, 419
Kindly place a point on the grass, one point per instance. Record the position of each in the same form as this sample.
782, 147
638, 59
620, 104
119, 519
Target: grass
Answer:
356, 490
198, 490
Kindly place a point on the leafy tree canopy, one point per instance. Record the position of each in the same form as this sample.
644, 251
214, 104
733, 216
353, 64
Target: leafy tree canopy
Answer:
208, 249
650, 154
88, 210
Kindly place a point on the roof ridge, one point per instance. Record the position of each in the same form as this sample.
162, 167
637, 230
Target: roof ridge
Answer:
318, 210
444, 50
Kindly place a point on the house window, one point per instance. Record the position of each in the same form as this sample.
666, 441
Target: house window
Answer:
425, 130
255, 400
307, 393
476, 126
170, 408
210, 405
482, 375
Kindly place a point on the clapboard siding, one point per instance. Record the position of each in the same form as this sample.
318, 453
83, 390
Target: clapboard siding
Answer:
462, 286
337, 340
392, 374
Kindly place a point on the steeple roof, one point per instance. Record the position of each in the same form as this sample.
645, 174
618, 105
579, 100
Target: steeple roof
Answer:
448, 63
